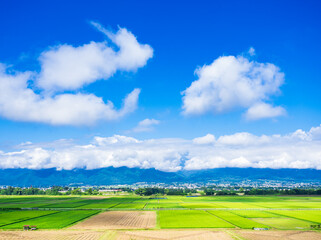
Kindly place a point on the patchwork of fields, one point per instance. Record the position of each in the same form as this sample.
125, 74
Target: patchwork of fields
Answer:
173, 212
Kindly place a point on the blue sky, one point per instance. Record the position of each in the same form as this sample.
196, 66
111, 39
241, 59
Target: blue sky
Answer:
183, 36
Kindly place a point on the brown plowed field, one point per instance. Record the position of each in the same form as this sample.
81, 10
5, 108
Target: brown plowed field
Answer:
53, 235
158, 235
119, 220
173, 234
278, 235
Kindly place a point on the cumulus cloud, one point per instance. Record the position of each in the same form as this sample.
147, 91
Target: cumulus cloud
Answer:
207, 139
18, 102
300, 149
116, 139
264, 110
251, 51
66, 67
33, 96
234, 83
242, 139
146, 125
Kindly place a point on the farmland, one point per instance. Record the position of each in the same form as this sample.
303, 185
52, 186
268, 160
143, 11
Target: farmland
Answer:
7, 218
120, 220
237, 220
53, 221
190, 219
178, 215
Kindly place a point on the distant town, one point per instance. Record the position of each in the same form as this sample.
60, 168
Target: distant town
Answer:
248, 187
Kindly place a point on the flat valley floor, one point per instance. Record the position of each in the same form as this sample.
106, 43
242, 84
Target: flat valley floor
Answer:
172, 217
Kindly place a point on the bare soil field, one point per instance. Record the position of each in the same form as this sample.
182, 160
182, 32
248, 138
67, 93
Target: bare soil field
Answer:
278, 235
116, 235
119, 220
173, 234
54, 235
159, 235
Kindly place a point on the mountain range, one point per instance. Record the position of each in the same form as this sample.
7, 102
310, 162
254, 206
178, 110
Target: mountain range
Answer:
125, 175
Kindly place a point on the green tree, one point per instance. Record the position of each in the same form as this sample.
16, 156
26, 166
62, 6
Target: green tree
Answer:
76, 191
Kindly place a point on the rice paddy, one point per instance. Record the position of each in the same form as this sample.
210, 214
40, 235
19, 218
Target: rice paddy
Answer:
53, 221
171, 212
190, 219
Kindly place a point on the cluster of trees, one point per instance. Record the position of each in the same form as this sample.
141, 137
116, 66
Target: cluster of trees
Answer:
55, 190
22, 191
294, 191
211, 191
257, 191
163, 191
77, 191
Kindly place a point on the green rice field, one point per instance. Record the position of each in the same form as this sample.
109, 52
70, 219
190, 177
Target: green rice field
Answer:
7, 218
237, 220
284, 223
190, 219
230, 212
54, 221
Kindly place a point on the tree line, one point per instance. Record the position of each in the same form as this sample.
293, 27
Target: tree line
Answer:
148, 191
294, 191
258, 191
55, 190
164, 191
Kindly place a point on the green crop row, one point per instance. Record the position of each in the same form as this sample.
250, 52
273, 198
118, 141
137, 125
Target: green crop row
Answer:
136, 202
54, 221
17, 216
237, 220
190, 219
307, 215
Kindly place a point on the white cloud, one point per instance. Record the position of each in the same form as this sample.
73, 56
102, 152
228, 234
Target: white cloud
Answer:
18, 102
66, 67
116, 139
231, 83
243, 138
251, 51
264, 110
146, 125
207, 139
315, 133
301, 149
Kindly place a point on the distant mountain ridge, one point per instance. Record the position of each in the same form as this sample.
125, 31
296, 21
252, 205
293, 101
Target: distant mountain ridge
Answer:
125, 175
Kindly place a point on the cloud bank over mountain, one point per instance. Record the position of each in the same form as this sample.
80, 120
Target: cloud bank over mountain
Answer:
53, 94
300, 149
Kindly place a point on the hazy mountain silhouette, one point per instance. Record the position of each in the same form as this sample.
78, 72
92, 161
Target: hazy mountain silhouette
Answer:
124, 175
